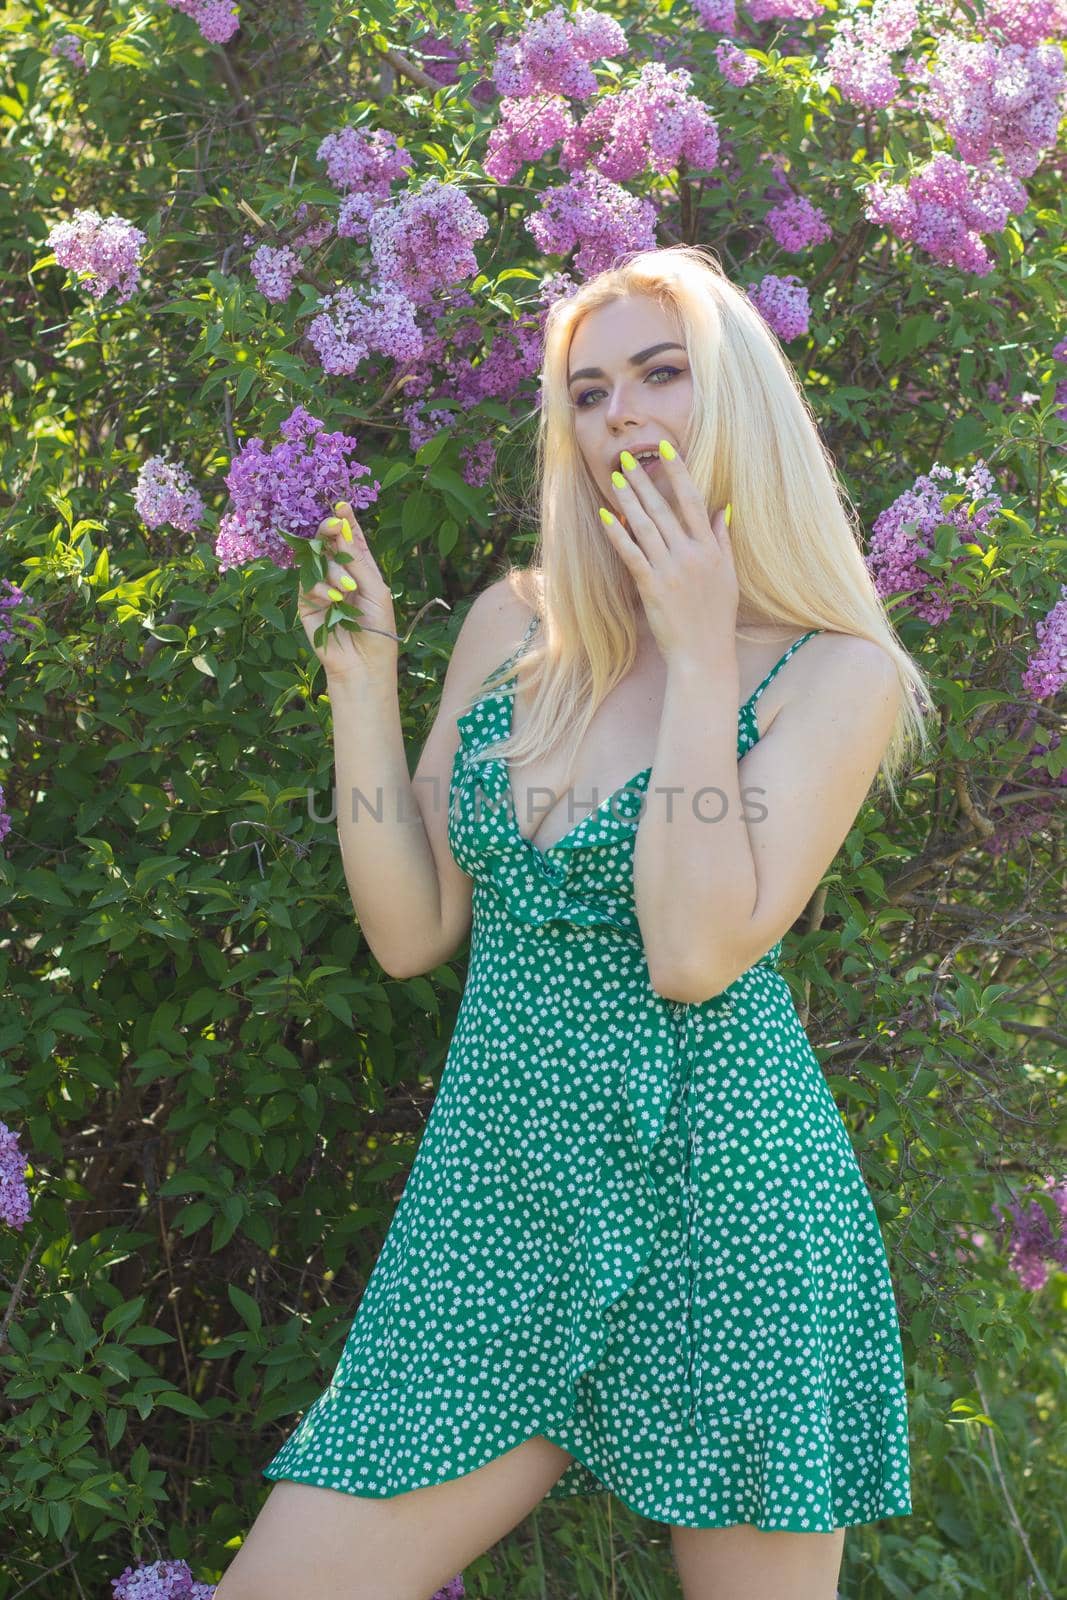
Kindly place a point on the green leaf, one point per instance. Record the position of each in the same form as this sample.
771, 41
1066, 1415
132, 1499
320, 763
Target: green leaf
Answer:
176, 1401
246, 1307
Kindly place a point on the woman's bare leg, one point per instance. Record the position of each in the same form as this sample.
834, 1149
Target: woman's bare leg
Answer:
748, 1563
324, 1544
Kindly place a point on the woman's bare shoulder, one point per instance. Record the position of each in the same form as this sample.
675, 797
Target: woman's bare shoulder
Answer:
501, 613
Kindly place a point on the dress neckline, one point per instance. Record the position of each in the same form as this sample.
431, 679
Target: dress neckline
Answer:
639, 778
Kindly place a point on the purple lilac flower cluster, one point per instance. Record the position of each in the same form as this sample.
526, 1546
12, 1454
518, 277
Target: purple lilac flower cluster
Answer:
1031, 1246
717, 16
858, 59
368, 160
1059, 353
989, 96
288, 489
903, 535
160, 1580
654, 123
1024, 21
783, 304
799, 10
14, 1196
944, 209
553, 52
796, 224
274, 271
420, 244
1046, 671
594, 217
217, 20
166, 494
69, 46
349, 327
108, 248
736, 67
1004, 97
15, 609
426, 241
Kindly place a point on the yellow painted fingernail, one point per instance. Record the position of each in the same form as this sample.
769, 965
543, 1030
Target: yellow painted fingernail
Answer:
346, 529
339, 507
618, 480
333, 523
349, 583
667, 450
727, 513
606, 516
335, 594
627, 460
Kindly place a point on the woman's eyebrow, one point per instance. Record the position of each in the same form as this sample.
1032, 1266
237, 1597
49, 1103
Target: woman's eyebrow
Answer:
635, 361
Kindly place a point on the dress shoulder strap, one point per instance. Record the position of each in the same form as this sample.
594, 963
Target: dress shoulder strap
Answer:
780, 663
519, 648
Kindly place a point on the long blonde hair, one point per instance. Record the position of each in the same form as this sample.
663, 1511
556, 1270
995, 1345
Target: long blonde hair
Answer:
753, 442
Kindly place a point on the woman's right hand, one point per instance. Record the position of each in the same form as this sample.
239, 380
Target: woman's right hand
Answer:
345, 651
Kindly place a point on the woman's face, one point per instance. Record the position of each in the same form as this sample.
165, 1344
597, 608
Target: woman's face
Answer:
622, 404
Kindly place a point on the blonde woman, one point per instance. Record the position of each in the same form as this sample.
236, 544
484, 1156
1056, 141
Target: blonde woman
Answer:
635, 1251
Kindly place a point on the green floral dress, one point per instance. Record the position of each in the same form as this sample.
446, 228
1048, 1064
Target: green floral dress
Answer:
633, 1225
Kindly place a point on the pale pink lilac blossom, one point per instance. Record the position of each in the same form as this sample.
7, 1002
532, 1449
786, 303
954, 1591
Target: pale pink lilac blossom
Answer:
717, 16
799, 10
1024, 21
217, 20
1006, 98
526, 130
944, 209
595, 217
288, 489
736, 67
166, 494
274, 271
655, 123
107, 248
553, 52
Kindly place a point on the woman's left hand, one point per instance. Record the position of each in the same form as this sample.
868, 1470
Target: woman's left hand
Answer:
681, 561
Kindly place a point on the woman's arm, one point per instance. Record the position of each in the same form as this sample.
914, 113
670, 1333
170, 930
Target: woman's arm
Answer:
720, 876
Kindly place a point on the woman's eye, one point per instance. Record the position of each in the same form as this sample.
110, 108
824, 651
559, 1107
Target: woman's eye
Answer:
674, 371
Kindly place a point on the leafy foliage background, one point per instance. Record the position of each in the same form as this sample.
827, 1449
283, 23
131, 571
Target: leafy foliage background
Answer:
218, 1090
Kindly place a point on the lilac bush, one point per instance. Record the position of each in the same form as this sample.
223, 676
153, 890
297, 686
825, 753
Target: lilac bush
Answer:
356, 220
